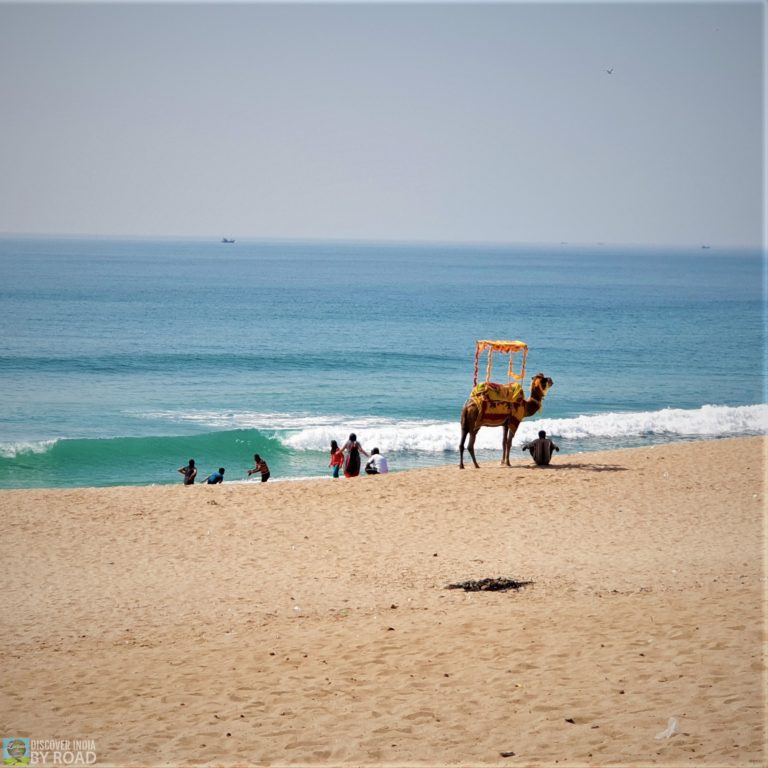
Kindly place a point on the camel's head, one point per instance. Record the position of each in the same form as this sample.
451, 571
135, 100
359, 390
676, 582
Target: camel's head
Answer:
540, 384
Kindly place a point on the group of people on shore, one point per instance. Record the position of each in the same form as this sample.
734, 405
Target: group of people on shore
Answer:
190, 472
347, 459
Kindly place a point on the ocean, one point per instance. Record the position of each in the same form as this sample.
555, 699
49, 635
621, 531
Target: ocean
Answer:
122, 359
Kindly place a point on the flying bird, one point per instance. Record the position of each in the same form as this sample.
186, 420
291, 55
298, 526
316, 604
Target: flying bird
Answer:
609, 71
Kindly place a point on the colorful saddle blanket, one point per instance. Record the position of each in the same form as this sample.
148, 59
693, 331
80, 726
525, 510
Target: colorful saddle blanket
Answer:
496, 399
497, 393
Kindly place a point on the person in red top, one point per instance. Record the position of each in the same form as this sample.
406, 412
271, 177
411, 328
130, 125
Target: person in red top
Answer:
261, 466
337, 458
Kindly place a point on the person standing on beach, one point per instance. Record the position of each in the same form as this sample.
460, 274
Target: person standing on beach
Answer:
261, 466
352, 450
337, 458
541, 449
189, 472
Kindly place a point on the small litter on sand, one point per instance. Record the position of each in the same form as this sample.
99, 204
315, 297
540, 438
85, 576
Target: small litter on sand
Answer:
488, 585
671, 730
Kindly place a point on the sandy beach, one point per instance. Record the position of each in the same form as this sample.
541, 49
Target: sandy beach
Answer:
308, 623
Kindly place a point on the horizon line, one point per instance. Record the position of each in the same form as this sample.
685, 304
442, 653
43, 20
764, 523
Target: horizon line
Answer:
703, 245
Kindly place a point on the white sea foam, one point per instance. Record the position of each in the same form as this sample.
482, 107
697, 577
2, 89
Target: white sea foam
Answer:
707, 421
431, 436
273, 480
307, 432
401, 436
13, 449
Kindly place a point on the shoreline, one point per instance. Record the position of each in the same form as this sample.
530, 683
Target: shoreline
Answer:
310, 624
517, 459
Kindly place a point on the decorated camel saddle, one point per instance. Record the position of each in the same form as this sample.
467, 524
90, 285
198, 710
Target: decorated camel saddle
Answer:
497, 400
494, 400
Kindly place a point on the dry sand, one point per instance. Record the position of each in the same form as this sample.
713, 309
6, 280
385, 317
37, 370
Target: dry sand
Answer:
308, 622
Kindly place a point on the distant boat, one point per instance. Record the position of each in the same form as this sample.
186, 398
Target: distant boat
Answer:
705, 247
225, 240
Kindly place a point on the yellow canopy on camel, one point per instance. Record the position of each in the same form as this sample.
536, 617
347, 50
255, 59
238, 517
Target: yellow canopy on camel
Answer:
507, 347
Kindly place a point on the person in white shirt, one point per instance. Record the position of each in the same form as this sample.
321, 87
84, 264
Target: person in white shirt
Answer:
377, 464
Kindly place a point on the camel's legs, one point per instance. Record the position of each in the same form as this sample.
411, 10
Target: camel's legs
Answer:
509, 433
471, 448
505, 442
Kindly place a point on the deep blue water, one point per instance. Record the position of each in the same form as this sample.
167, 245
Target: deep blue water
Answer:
124, 358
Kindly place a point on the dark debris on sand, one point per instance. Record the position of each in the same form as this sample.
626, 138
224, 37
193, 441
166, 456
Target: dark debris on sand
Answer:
488, 585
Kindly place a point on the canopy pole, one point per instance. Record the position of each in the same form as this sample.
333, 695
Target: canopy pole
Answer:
508, 347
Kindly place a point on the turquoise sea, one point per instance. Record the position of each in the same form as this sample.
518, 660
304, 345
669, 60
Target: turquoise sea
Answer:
122, 359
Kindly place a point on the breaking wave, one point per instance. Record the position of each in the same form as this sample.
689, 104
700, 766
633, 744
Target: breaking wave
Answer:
708, 421
11, 450
296, 445
307, 432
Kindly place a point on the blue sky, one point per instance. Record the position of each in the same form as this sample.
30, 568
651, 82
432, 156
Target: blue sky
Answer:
441, 122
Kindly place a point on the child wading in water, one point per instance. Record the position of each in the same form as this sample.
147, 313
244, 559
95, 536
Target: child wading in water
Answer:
261, 466
337, 458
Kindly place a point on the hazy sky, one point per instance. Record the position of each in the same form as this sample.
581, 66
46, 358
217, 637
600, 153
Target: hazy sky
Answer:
443, 122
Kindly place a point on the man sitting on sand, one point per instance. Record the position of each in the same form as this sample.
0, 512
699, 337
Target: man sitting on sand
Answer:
541, 449
216, 477
377, 464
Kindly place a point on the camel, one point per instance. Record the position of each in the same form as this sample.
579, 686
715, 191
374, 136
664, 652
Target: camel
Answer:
472, 419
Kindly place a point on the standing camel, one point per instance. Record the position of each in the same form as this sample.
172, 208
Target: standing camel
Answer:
472, 419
